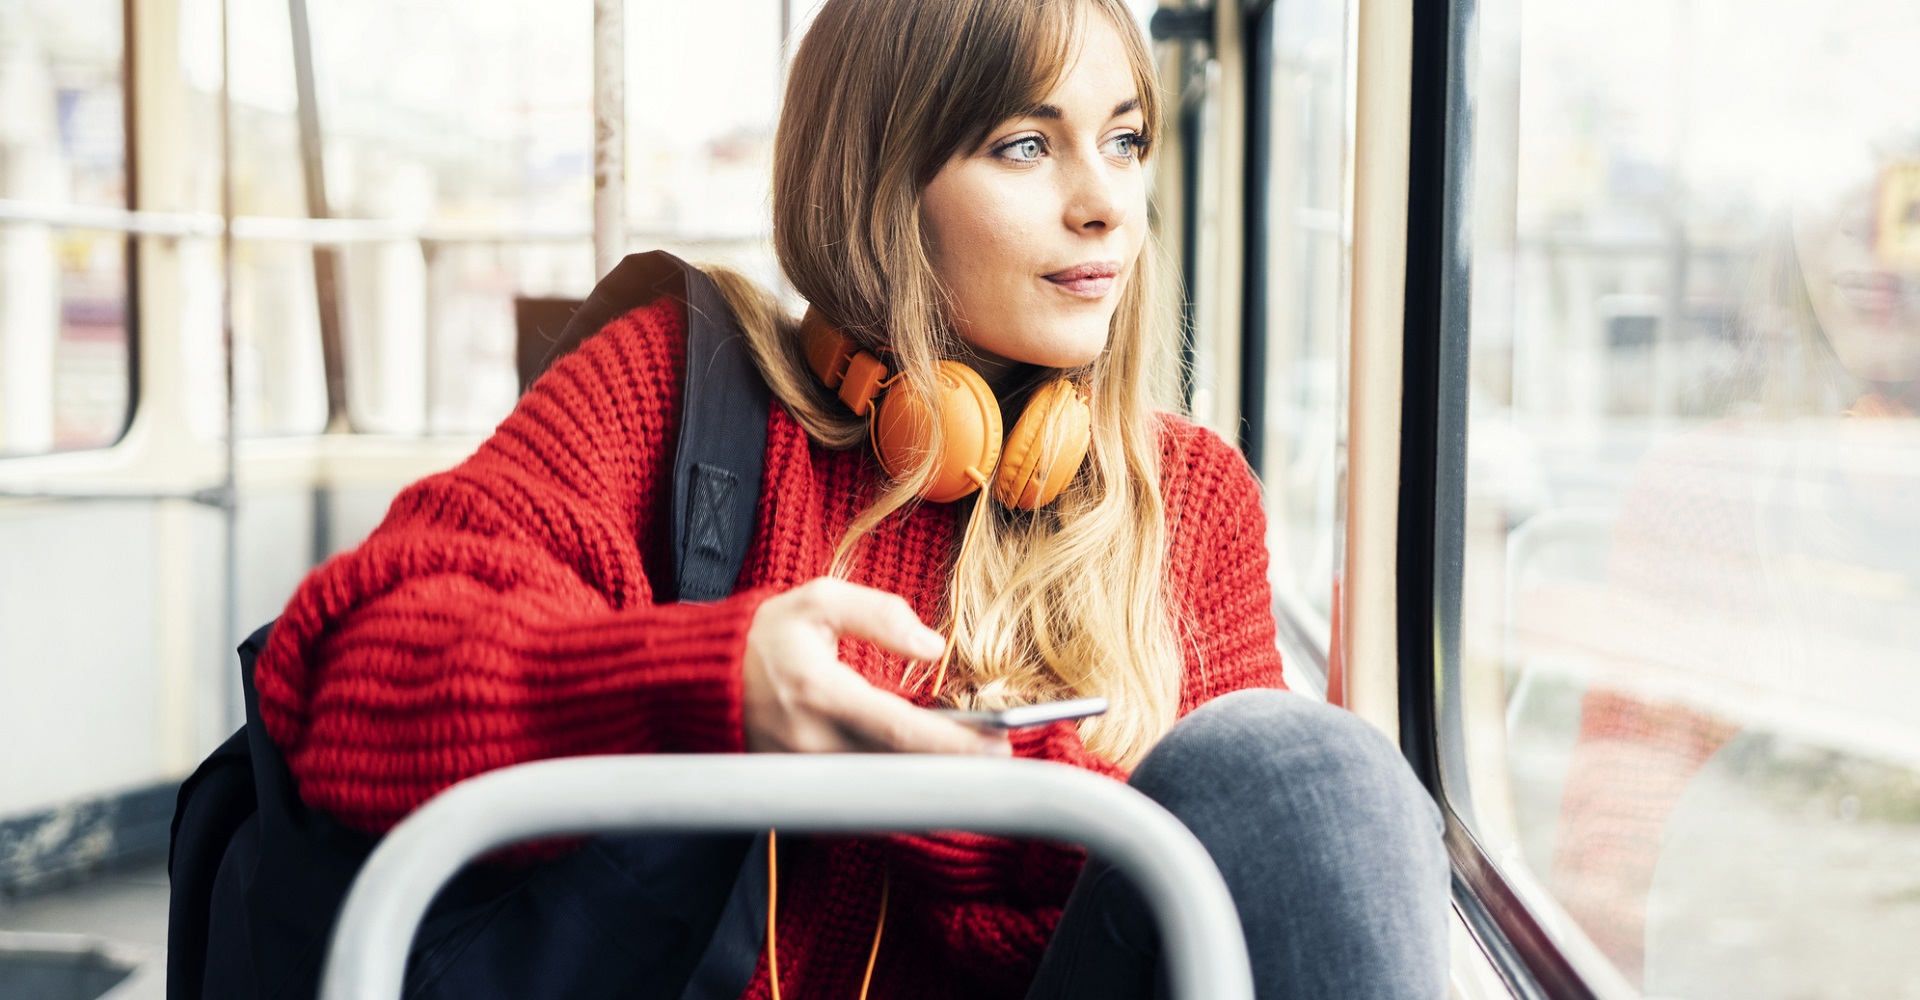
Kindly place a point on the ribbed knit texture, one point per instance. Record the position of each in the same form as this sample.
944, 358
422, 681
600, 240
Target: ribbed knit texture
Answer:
503, 612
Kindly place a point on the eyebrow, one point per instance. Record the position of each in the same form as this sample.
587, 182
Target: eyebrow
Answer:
1053, 113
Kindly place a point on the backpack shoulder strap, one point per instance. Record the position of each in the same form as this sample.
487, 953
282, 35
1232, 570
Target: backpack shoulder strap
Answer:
209, 810
720, 457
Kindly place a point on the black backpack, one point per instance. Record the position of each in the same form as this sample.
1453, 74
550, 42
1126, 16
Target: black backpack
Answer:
239, 816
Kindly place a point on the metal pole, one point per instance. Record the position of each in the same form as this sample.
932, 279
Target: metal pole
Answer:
609, 135
230, 481
786, 35
1200, 929
430, 345
326, 260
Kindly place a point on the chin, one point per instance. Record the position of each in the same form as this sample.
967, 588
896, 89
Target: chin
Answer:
1055, 342
1067, 356
1076, 346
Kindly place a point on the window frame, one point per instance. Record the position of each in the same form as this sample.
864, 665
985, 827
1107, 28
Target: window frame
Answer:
100, 219
1432, 494
130, 157
1256, 39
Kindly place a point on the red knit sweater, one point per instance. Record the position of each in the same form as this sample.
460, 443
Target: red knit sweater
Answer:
503, 612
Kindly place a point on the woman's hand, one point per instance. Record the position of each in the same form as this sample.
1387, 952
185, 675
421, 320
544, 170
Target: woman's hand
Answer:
799, 698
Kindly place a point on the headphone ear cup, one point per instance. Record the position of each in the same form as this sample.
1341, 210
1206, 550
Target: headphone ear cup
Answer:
969, 418
1048, 444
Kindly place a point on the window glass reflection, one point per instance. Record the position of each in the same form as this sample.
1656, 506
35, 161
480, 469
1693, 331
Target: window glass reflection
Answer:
1691, 636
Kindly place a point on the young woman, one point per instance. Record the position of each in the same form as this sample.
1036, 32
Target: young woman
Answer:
955, 180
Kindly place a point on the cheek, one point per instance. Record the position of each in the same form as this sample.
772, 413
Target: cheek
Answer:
980, 245
980, 242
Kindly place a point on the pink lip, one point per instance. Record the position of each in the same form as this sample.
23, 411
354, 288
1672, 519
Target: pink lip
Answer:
1088, 281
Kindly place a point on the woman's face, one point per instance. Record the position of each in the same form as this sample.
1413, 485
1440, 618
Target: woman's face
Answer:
1036, 232
1865, 290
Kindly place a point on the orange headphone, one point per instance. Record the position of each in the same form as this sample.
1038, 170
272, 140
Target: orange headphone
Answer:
1029, 469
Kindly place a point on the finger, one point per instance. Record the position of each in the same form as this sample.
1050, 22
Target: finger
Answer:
888, 721
886, 620
823, 736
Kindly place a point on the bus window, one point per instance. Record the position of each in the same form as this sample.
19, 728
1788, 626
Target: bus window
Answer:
475, 127
65, 358
1687, 709
1307, 249
280, 387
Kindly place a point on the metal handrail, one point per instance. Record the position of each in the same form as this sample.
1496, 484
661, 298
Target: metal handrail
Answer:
324, 232
1200, 930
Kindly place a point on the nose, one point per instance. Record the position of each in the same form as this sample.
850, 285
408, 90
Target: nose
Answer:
1090, 197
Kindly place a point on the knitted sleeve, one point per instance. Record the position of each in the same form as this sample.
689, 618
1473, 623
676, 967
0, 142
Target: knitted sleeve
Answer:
1217, 571
503, 611
993, 903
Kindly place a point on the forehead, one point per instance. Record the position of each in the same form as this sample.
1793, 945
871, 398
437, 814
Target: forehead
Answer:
1098, 74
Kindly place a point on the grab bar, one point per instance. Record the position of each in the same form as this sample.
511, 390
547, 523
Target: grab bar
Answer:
1205, 949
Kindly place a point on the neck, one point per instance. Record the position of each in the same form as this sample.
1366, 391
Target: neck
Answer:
1002, 375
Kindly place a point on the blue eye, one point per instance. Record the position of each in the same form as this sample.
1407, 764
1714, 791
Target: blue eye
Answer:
1024, 150
1129, 145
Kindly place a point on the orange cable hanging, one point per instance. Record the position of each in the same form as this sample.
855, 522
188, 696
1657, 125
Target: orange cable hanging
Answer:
886, 885
773, 904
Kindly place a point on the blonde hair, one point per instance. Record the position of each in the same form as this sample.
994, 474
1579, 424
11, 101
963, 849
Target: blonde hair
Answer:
1786, 366
1065, 601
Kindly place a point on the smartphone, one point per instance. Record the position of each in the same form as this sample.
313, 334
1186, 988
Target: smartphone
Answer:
1022, 716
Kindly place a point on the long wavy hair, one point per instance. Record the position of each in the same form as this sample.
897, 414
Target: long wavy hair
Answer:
882, 93
1785, 366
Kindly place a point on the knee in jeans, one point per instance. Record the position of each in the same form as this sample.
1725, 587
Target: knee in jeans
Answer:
1225, 755
1326, 839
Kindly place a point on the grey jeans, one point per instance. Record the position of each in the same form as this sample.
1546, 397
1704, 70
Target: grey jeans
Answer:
1330, 847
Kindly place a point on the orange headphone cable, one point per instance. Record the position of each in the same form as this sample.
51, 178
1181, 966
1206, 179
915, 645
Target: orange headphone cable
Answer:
886, 887
773, 903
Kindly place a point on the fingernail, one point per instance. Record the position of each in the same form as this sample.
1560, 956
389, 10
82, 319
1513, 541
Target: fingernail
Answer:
931, 644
